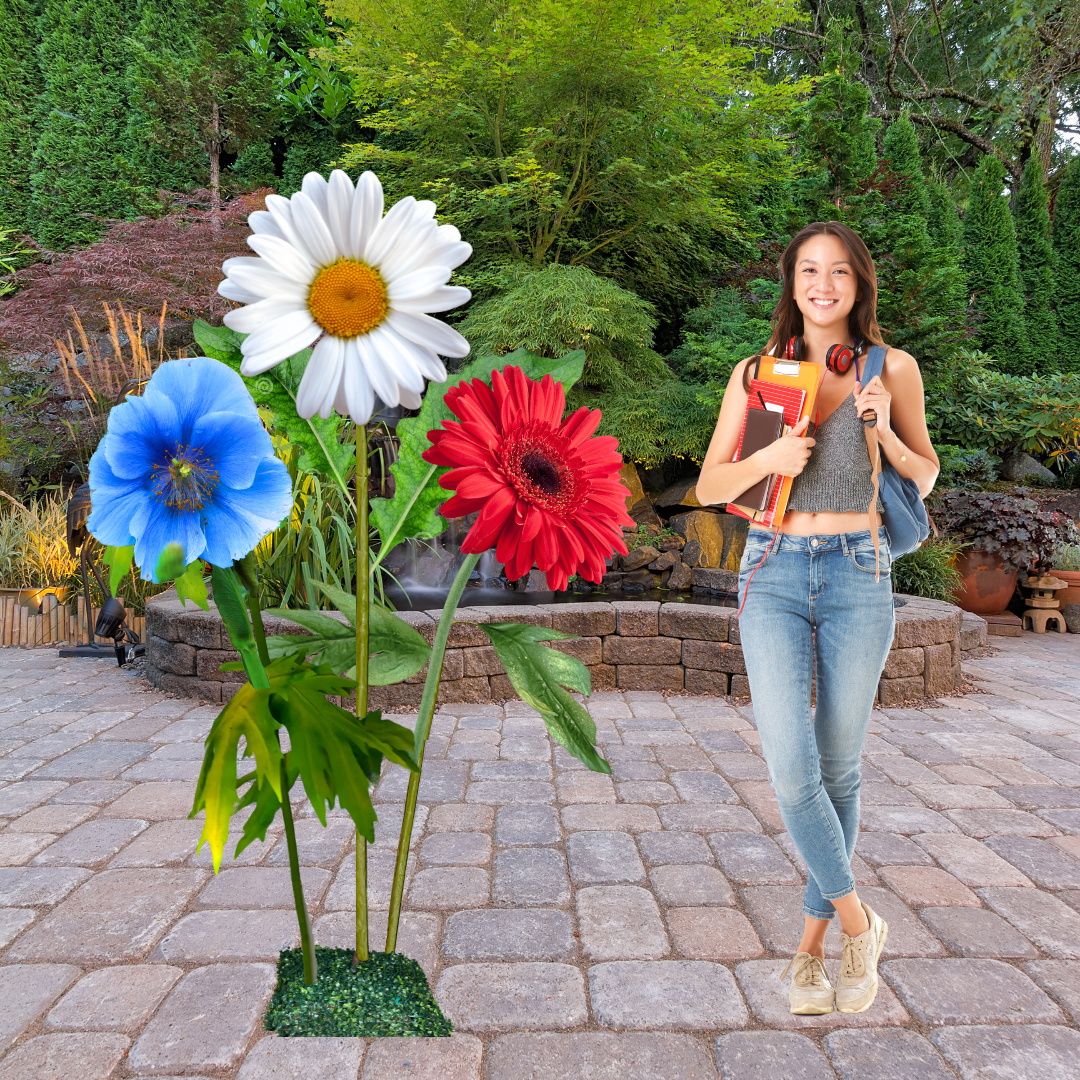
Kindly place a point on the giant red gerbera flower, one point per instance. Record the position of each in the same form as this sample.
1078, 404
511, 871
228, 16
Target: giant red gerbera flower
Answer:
548, 492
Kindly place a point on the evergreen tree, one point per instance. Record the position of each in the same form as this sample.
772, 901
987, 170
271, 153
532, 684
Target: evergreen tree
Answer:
1066, 241
20, 80
254, 167
79, 174
311, 149
1036, 265
990, 259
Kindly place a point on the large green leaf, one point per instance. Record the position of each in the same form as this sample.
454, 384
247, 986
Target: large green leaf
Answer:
538, 674
321, 448
413, 512
118, 560
230, 596
190, 585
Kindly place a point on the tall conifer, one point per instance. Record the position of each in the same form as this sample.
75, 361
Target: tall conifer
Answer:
1066, 243
1036, 266
79, 171
20, 83
990, 259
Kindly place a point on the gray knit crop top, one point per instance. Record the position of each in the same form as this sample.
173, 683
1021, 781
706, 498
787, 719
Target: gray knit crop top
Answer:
838, 478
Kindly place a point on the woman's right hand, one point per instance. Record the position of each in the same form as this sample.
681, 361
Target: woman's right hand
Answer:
788, 455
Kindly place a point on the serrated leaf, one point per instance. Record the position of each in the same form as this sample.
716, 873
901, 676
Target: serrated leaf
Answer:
118, 560
190, 585
321, 448
538, 674
413, 512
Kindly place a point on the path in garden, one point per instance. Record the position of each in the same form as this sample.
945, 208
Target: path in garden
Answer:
573, 925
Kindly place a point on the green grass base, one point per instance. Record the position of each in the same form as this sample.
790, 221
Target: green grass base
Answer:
386, 995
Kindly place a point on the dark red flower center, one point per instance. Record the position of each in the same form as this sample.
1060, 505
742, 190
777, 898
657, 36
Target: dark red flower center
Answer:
535, 462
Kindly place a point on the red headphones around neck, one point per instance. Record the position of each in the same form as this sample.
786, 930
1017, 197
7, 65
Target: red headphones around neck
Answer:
838, 358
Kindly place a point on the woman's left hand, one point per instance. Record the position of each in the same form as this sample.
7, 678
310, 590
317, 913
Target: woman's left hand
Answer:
874, 398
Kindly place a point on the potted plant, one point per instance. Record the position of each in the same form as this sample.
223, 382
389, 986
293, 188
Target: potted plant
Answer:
1002, 536
1066, 565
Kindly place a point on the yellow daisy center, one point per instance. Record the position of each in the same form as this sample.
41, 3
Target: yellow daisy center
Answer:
348, 298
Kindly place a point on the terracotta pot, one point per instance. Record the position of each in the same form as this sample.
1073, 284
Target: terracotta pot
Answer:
1071, 595
987, 586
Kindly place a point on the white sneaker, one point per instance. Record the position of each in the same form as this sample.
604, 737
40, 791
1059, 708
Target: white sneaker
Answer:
858, 983
811, 993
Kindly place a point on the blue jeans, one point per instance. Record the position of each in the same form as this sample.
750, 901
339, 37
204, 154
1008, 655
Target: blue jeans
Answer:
815, 601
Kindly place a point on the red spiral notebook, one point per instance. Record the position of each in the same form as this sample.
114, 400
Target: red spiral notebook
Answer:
794, 387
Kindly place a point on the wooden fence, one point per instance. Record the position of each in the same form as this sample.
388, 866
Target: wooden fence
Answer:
56, 624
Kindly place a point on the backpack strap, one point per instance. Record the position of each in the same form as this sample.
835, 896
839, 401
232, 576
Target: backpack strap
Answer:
875, 363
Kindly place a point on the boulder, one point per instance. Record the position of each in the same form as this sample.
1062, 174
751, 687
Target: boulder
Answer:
716, 581
643, 514
682, 577
639, 557
628, 474
665, 562
1022, 466
691, 552
1071, 612
535, 582
722, 538
680, 494
670, 543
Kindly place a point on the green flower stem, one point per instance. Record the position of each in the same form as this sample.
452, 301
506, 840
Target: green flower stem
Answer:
423, 728
307, 944
245, 570
363, 613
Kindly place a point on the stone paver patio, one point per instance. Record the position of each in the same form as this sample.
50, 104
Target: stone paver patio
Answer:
572, 925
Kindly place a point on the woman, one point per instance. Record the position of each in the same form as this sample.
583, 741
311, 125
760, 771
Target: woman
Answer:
817, 596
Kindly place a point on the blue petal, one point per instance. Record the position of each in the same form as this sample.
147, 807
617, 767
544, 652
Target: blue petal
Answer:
167, 526
114, 502
238, 520
233, 444
143, 432
198, 385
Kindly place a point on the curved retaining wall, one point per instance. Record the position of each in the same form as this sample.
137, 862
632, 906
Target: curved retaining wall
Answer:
627, 645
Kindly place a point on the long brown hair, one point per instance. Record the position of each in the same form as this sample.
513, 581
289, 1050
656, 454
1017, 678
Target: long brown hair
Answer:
787, 319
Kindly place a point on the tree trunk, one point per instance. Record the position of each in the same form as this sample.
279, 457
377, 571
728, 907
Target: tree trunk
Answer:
215, 170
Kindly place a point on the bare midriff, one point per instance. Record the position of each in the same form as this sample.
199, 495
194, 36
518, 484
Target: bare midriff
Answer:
802, 523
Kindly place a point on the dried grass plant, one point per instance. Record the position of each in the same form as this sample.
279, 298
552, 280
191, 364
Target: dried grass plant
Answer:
33, 543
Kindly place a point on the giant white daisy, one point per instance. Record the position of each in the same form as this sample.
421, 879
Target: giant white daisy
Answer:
331, 267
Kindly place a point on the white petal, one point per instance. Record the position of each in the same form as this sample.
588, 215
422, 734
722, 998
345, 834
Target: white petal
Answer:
431, 367
309, 220
262, 221
410, 250
406, 363
321, 376
379, 375
428, 332
283, 257
423, 210
231, 291
280, 339
315, 188
410, 399
339, 210
366, 213
356, 386
448, 234
452, 255
247, 320
418, 283
281, 211
450, 296
257, 277
398, 218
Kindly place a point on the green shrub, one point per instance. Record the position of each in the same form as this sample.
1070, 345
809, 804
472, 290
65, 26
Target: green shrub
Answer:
928, 571
1066, 557
962, 468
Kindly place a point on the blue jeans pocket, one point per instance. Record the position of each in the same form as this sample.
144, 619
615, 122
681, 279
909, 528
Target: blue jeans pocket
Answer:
862, 557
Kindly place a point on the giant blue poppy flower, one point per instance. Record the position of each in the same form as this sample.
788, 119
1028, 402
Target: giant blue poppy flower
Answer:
187, 463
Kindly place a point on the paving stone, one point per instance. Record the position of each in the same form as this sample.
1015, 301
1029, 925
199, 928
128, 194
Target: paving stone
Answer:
752, 859
1043, 919
114, 998
456, 1058
927, 885
884, 1054
652, 995
504, 792
440, 782
206, 937
769, 1055
980, 823
767, 997
875, 793
117, 915
15, 768
16, 799
1033, 1052
626, 817
502, 997
260, 887
457, 849
977, 932
173, 1042
708, 818
316, 844
1061, 980
969, 992
970, 861
1066, 820
164, 843
450, 887
91, 843
674, 847
776, 912
60, 1057
27, 886
620, 922
52, 819
598, 1056
1047, 865
705, 787
655, 792
585, 787
13, 921
535, 934
27, 990
907, 935
98, 792
309, 1058
511, 770
418, 934
255, 852
960, 797
154, 801
457, 817
95, 761
531, 877
685, 885
524, 748
604, 858
909, 819
16, 849
712, 933
526, 825
1041, 796
890, 849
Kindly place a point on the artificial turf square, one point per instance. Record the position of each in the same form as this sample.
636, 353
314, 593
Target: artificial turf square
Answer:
386, 995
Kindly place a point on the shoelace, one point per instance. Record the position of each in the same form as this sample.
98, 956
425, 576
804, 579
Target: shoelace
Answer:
810, 972
853, 958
